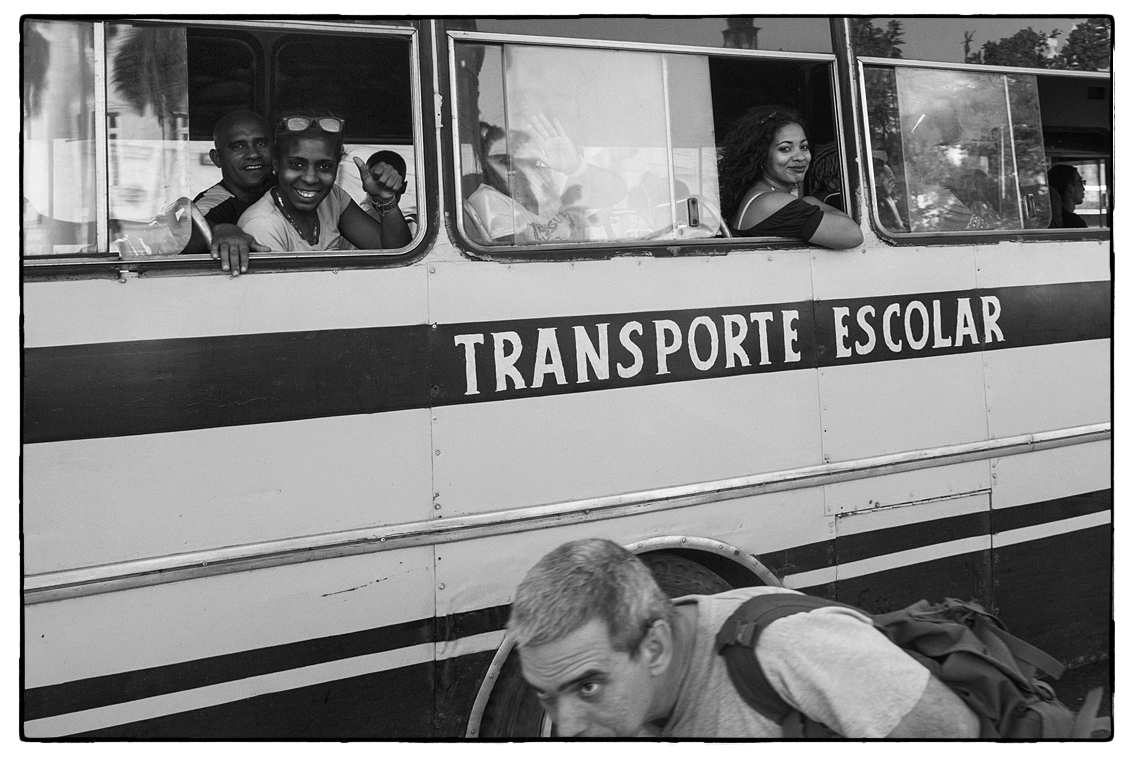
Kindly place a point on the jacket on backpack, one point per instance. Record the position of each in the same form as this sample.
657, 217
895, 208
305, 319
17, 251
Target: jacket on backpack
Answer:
809, 658
969, 650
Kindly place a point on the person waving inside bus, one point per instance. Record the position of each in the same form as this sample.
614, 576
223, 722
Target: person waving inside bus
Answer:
761, 168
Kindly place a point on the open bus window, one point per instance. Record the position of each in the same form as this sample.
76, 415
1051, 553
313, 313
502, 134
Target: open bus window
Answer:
575, 145
1076, 112
59, 194
166, 87
956, 150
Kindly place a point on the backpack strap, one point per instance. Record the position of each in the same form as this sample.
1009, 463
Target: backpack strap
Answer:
1026, 652
736, 642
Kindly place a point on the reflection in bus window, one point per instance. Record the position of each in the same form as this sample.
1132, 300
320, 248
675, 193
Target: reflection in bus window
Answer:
963, 150
59, 175
555, 148
147, 116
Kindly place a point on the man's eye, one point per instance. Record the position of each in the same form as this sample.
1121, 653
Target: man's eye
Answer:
590, 689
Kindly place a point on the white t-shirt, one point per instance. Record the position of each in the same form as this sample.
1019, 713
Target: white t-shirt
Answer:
831, 664
269, 226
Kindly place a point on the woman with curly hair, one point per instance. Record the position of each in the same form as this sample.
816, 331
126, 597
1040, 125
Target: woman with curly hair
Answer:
761, 167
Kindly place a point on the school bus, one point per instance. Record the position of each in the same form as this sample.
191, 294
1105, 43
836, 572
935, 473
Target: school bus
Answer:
295, 503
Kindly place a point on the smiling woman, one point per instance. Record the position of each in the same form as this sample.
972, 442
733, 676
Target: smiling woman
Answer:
763, 163
306, 211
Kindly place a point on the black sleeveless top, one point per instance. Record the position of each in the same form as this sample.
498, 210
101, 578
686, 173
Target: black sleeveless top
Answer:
796, 219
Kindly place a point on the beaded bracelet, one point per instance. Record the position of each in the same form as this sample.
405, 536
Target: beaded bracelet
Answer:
385, 207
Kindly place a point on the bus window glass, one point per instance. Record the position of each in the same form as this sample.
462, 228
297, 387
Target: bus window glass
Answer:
59, 197
148, 152
554, 148
956, 150
802, 35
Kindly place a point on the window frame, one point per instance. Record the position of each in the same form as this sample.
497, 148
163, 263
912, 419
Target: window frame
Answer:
955, 236
606, 249
106, 259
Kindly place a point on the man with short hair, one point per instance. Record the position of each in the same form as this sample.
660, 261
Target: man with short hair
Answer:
1066, 190
242, 149
608, 654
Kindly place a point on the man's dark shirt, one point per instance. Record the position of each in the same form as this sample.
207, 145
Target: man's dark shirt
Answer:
1073, 220
219, 205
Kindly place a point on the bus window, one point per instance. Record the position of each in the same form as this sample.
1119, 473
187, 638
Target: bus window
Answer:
554, 149
59, 194
166, 87
1076, 112
955, 150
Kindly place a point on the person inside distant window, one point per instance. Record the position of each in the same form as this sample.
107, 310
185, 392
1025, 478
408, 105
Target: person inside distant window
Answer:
394, 160
1066, 189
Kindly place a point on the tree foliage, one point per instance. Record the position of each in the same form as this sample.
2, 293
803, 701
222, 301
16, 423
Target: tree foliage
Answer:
870, 40
1088, 47
1025, 48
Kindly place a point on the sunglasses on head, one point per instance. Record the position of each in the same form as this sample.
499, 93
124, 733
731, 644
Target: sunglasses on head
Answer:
301, 123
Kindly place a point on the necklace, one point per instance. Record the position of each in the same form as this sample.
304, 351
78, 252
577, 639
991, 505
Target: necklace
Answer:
284, 211
772, 187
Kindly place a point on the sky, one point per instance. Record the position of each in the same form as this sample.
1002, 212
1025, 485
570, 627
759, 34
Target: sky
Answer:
935, 39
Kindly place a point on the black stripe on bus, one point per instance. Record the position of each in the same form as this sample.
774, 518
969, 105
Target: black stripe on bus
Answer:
88, 693
855, 547
149, 386
1015, 517
393, 704
140, 387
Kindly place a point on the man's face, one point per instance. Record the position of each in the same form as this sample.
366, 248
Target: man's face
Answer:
244, 156
587, 686
1076, 188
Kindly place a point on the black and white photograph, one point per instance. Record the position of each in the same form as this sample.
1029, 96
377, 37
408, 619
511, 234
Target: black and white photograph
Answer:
488, 375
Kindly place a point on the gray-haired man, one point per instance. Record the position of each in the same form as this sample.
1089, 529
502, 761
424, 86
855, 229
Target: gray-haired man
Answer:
610, 655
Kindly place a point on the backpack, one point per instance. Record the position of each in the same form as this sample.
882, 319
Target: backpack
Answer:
967, 648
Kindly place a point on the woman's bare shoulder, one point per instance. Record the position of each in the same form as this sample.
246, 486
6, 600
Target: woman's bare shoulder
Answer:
760, 205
